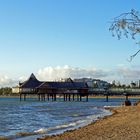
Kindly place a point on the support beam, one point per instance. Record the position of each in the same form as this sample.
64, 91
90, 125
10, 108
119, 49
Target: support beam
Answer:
77, 97
73, 96
106, 97
87, 98
69, 97
64, 96
54, 97
80, 98
38, 97
24, 97
20, 96
44, 97
48, 96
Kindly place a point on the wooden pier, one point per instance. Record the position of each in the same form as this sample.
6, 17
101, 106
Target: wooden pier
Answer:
51, 91
127, 93
68, 91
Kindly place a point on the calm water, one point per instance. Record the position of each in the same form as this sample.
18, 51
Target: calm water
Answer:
39, 118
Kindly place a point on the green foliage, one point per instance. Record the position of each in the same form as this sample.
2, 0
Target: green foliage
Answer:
6, 91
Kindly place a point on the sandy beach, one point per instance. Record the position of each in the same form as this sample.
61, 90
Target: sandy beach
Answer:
124, 124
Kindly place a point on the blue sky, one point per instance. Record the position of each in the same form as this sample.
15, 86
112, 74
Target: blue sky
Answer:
39, 35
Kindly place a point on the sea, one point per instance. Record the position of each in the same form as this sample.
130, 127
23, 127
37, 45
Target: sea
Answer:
28, 120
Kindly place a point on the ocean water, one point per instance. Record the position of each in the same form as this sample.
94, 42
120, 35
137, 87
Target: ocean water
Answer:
27, 120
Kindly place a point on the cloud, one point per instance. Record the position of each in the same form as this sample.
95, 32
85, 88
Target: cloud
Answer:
121, 73
5, 81
56, 73
130, 74
22, 78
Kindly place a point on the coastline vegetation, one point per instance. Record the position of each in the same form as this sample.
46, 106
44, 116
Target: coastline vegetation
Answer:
6, 91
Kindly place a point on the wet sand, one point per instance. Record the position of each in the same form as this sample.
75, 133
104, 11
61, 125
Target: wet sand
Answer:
124, 124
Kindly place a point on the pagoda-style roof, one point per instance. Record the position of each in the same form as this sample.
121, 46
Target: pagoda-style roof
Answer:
32, 82
63, 85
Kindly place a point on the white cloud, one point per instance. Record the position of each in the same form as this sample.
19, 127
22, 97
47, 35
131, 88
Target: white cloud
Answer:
55, 73
22, 78
5, 81
129, 74
121, 73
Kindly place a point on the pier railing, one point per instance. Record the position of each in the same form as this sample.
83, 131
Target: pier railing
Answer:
115, 91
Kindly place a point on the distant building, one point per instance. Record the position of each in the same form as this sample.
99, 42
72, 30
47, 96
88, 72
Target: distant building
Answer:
15, 89
94, 83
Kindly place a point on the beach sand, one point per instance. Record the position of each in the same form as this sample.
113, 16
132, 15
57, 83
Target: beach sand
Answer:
124, 124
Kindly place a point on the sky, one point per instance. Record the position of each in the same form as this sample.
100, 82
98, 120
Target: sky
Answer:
64, 38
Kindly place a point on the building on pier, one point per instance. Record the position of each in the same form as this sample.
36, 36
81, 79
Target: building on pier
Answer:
68, 89
30, 85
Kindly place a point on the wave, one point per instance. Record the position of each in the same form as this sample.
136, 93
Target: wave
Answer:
80, 123
81, 120
41, 131
62, 126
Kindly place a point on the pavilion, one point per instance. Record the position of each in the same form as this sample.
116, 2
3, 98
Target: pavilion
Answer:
46, 90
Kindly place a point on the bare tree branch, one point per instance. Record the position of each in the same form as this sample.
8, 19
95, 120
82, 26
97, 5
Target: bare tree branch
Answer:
132, 56
126, 24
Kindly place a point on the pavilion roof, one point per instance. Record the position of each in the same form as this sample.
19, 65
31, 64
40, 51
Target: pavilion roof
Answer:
67, 85
32, 82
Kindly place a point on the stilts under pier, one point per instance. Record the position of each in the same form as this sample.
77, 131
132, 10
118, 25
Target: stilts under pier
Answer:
55, 97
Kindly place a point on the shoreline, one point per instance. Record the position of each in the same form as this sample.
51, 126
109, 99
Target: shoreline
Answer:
124, 123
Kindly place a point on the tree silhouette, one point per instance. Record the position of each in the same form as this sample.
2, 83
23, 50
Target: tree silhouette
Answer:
127, 24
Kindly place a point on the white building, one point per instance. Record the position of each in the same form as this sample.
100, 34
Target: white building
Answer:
15, 89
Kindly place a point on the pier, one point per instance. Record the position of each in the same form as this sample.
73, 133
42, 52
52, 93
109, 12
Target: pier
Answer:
51, 91
68, 91
119, 92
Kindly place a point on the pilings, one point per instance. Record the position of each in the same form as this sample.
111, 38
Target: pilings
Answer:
67, 97
106, 96
24, 97
53, 97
